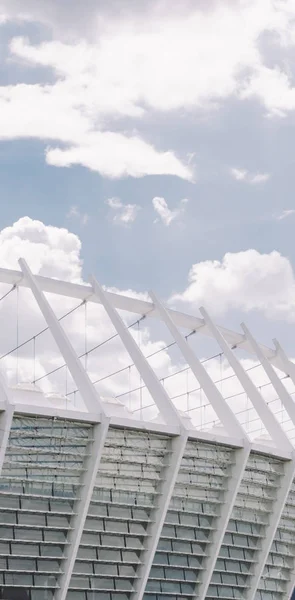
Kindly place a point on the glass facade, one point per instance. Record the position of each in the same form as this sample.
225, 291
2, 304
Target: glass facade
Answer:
40, 486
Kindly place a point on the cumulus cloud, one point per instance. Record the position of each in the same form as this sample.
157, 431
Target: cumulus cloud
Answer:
115, 155
55, 113
243, 281
123, 213
55, 252
247, 177
51, 251
96, 83
167, 215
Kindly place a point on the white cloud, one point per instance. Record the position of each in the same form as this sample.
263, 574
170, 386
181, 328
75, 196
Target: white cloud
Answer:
165, 213
115, 155
243, 281
238, 174
273, 87
55, 252
135, 68
48, 249
219, 44
123, 213
75, 213
247, 177
285, 214
54, 113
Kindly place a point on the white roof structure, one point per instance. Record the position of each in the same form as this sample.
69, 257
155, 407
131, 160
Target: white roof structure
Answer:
146, 492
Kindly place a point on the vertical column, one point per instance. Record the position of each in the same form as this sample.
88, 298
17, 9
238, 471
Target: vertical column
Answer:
289, 474
270, 530
241, 458
94, 405
234, 429
178, 443
281, 441
6, 417
82, 506
165, 491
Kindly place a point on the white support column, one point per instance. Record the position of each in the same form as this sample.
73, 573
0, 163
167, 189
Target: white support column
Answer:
88, 392
289, 406
6, 417
165, 490
223, 411
81, 506
288, 366
94, 405
155, 388
267, 417
233, 428
5, 425
270, 529
241, 458
178, 444
277, 384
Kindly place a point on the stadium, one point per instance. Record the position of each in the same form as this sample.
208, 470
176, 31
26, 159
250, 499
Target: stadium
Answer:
161, 487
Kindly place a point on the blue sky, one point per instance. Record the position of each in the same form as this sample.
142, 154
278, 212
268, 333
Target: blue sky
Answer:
162, 138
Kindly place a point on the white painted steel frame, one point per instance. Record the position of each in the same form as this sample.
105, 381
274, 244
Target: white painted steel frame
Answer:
158, 393
93, 402
277, 384
224, 413
134, 305
270, 531
268, 419
287, 365
289, 406
178, 443
232, 426
238, 469
87, 390
81, 506
39, 285
165, 491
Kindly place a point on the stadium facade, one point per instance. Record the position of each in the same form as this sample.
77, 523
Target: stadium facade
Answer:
99, 504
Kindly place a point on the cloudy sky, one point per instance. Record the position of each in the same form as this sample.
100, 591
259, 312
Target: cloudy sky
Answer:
152, 144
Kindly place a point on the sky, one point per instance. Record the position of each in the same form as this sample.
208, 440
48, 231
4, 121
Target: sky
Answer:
152, 145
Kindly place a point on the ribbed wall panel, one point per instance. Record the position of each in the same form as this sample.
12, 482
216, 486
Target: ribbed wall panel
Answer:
247, 528
40, 485
121, 508
280, 563
192, 516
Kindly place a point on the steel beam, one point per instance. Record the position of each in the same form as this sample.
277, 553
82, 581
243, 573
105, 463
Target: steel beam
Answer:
270, 530
276, 382
88, 392
268, 419
222, 410
165, 491
158, 393
81, 506
134, 305
241, 458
